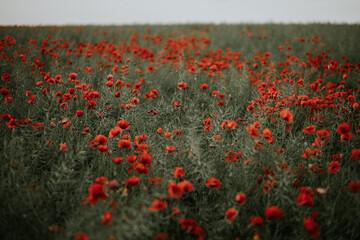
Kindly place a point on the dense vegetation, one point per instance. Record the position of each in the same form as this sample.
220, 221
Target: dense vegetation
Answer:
180, 132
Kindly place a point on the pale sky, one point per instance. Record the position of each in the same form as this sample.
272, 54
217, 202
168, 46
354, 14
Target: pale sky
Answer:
51, 12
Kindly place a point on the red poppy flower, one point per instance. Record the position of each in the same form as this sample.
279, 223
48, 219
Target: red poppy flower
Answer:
160, 131
150, 69
323, 134
97, 192
115, 132
354, 187
182, 85
12, 123
146, 158
213, 182
286, 115
5, 92
231, 214
257, 221
132, 181
346, 136
6, 77
253, 131
157, 205
175, 190
124, 144
343, 128
228, 125
305, 197
334, 167
267, 133
123, 124
179, 172
101, 139
73, 75
89, 70
168, 135
107, 218
274, 213
204, 86
170, 149
177, 104
221, 103
355, 154
131, 158
63, 147
175, 212
117, 160
240, 198
186, 185
81, 236
103, 148
311, 226
161, 236
309, 130
79, 113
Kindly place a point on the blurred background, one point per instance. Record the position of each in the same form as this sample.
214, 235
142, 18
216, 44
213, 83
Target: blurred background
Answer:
48, 12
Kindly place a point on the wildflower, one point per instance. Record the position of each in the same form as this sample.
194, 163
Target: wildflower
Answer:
177, 104
240, 198
231, 214
101, 139
334, 167
179, 172
12, 123
309, 130
204, 86
131, 158
311, 225
305, 197
274, 213
186, 185
79, 113
6, 77
170, 149
228, 125
286, 115
355, 154
124, 144
117, 160
253, 131
115, 132
175, 190
132, 181
63, 147
213, 182
160, 131
81, 236
123, 124
161, 236
354, 187
73, 75
257, 221
157, 205
107, 218
344, 130
323, 134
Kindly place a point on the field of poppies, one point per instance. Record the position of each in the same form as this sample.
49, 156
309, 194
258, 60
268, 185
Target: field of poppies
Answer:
180, 132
